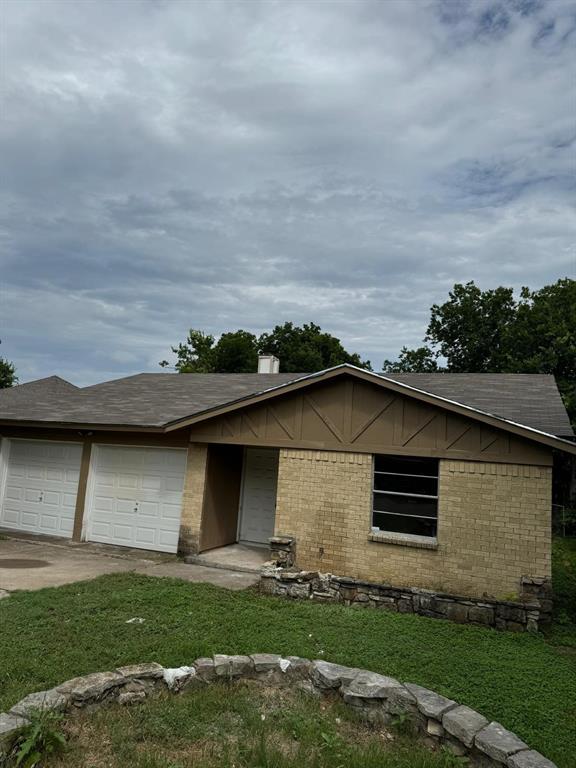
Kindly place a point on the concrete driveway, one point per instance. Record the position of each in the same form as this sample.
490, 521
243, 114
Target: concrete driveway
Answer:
33, 564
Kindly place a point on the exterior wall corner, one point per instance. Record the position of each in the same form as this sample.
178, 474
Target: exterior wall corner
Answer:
193, 499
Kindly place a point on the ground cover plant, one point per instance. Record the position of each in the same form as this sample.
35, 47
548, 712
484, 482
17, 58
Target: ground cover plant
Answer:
526, 682
238, 725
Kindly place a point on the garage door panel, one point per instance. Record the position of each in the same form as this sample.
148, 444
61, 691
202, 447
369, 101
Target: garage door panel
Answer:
168, 539
50, 522
105, 479
170, 512
11, 517
149, 509
41, 486
13, 493
145, 537
30, 520
128, 481
151, 483
56, 475
137, 497
174, 484
103, 504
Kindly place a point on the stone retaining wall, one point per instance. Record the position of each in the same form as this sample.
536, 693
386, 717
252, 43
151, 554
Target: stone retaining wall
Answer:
527, 616
378, 699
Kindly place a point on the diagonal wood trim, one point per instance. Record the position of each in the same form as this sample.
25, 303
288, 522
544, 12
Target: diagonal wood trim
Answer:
227, 427
450, 443
280, 423
419, 428
248, 421
377, 413
485, 444
326, 419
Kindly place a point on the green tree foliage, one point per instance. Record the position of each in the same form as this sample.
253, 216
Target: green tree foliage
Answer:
300, 349
490, 332
195, 355
306, 349
236, 352
8, 376
422, 359
543, 337
470, 329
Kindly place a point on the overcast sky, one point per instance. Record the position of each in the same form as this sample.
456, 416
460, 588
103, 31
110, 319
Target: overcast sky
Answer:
168, 164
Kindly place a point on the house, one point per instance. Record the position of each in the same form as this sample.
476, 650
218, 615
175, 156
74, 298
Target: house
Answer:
434, 481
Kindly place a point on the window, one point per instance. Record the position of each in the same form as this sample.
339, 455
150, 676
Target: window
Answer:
405, 495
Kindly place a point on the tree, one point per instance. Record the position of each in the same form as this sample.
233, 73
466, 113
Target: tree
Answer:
8, 376
422, 359
543, 337
470, 329
300, 349
195, 355
307, 349
236, 353
489, 332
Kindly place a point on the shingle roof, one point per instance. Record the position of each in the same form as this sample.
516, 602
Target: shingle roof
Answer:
156, 399
36, 392
531, 399
143, 400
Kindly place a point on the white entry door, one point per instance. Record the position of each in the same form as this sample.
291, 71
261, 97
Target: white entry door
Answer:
136, 496
41, 486
258, 504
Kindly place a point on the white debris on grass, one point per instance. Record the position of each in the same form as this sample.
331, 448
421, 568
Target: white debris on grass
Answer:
175, 677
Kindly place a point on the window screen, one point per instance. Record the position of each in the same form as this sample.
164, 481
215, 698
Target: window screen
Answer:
405, 495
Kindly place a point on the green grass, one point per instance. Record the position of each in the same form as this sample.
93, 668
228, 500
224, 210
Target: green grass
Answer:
563, 633
240, 725
564, 567
48, 636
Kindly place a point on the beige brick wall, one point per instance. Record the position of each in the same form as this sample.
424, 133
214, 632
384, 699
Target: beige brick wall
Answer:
193, 498
493, 524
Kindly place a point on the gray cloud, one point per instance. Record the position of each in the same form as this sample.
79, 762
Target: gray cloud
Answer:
170, 164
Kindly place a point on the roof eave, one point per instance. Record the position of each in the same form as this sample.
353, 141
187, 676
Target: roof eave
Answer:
529, 433
83, 426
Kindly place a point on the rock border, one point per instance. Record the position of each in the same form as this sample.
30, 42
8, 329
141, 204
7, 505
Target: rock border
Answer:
375, 697
529, 614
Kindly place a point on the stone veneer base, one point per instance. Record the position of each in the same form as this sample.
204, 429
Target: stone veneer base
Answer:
375, 697
527, 616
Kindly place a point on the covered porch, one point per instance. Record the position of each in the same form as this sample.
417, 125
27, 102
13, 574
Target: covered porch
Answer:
239, 507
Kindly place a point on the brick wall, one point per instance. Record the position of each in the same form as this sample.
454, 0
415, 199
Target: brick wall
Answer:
493, 524
193, 499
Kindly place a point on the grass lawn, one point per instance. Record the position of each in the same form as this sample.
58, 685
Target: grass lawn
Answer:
528, 683
241, 725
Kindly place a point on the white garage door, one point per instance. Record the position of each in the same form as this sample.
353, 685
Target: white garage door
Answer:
136, 497
260, 478
40, 487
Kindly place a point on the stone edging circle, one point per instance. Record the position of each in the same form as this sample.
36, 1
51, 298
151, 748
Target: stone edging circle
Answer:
375, 697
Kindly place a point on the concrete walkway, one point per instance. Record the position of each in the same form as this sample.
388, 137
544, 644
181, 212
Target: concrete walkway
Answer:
235, 557
32, 563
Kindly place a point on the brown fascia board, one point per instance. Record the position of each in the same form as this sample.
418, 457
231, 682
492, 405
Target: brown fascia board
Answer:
528, 433
81, 426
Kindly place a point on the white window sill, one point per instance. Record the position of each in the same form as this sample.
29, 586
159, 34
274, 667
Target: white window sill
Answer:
404, 540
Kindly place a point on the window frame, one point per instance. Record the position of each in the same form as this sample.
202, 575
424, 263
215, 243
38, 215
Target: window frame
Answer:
374, 511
